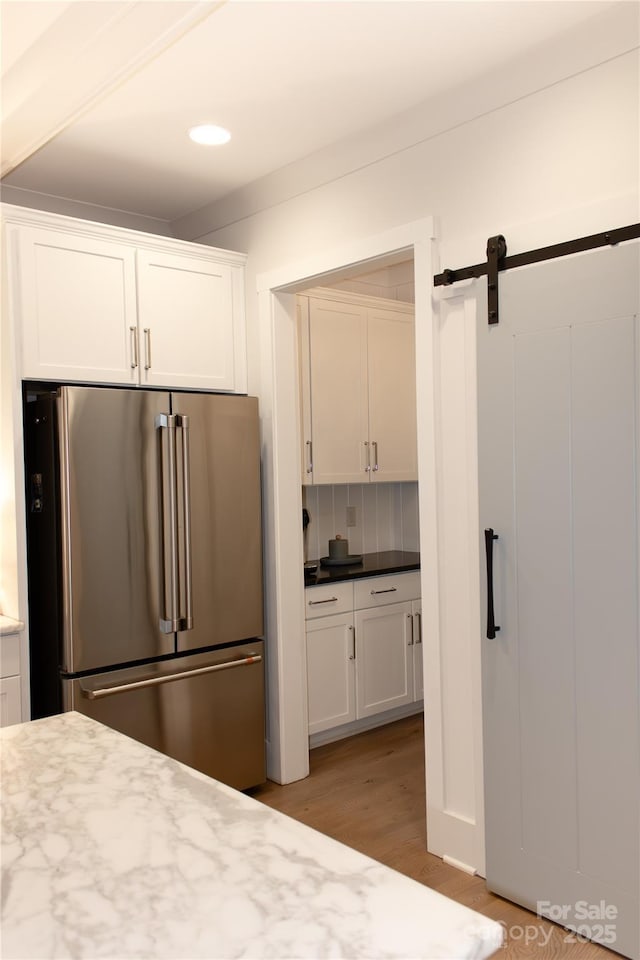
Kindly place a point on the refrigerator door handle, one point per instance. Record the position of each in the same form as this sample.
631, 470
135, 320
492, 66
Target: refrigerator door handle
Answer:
169, 613
170, 677
186, 622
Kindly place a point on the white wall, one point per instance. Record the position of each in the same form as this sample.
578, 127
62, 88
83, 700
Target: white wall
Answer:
84, 211
548, 166
386, 517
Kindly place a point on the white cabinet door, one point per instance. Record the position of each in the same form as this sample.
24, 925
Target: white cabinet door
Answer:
76, 300
188, 332
10, 711
418, 664
330, 672
392, 396
304, 382
338, 369
384, 657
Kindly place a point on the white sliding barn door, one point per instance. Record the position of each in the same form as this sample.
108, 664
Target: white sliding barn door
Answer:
558, 458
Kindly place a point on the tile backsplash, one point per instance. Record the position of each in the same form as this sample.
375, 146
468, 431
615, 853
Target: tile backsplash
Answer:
386, 517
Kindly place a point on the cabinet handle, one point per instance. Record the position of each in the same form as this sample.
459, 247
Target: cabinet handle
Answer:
489, 537
314, 603
147, 348
134, 347
353, 638
411, 640
374, 444
310, 457
388, 590
418, 619
368, 466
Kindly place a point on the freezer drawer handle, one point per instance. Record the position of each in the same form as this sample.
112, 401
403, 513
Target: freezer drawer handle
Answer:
168, 678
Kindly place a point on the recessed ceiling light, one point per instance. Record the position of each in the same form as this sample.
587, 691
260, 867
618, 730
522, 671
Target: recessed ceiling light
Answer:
209, 134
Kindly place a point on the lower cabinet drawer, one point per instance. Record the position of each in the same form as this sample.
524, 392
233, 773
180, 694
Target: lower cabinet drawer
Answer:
328, 598
390, 588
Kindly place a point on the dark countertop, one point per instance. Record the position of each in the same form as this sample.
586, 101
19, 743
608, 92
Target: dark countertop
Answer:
373, 564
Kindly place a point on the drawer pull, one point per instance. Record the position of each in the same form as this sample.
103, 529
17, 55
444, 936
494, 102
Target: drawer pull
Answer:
388, 590
314, 603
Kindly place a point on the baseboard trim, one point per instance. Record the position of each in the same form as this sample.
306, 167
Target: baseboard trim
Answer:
367, 723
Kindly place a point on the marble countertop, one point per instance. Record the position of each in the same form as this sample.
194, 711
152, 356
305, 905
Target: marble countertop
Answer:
372, 565
110, 849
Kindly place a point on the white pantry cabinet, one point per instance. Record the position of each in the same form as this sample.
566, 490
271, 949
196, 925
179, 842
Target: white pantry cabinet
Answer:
362, 648
358, 400
98, 304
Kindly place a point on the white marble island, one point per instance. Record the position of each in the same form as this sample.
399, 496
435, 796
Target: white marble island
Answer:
110, 849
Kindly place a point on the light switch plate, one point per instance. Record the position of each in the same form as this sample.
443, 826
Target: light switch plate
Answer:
351, 516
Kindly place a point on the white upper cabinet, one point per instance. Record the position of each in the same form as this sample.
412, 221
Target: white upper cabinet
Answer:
191, 321
392, 396
99, 304
357, 374
76, 302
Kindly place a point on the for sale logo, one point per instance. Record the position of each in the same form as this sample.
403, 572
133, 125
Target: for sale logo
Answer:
583, 920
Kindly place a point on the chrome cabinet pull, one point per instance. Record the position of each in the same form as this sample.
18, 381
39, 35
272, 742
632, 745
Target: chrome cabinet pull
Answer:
352, 655
368, 466
183, 423
418, 618
388, 590
169, 678
314, 603
411, 638
147, 348
310, 456
133, 331
374, 444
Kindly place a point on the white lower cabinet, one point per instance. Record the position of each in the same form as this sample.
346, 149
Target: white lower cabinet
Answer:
384, 657
364, 649
330, 672
10, 702
418, 663
10, 695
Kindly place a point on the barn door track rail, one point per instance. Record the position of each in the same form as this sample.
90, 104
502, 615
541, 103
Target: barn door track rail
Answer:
497, 260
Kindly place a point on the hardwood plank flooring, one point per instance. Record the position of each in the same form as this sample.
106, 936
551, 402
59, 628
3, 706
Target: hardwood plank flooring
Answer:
369, 792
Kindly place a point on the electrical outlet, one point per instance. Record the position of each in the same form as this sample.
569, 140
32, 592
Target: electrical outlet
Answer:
351, 516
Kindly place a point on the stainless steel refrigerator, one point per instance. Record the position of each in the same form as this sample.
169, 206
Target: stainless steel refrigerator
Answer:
145, 569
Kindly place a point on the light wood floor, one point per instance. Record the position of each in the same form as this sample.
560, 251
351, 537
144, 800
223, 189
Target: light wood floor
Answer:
368, 792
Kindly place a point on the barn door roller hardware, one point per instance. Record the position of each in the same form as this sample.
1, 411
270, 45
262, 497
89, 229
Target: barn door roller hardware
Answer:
497, 259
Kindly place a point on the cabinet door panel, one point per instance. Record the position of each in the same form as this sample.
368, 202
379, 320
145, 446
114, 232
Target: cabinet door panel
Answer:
338, 362
392, 396
384, 657
10, 710
77, 304
186, 305
418, 664
330, 672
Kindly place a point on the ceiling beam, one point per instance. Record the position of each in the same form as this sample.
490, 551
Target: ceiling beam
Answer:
87, 52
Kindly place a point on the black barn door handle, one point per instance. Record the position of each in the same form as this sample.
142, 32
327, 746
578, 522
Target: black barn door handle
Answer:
489, 537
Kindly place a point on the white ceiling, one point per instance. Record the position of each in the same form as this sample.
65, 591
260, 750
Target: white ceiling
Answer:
97, 96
